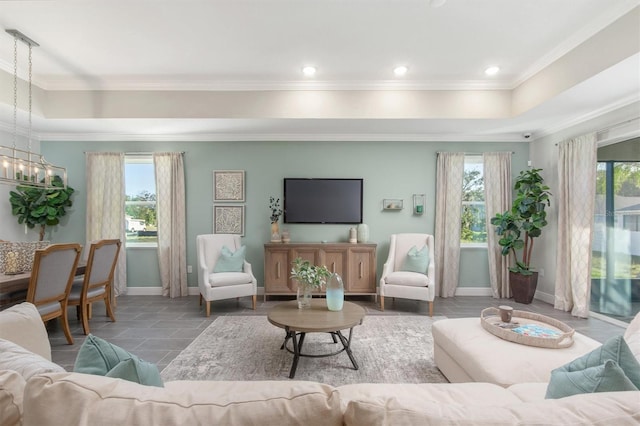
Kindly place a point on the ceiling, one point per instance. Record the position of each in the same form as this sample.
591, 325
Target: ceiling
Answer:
231, 69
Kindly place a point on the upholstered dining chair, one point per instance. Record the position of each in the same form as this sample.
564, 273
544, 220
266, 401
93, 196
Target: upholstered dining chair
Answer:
96, 282
51, 277
223, 272
409, 272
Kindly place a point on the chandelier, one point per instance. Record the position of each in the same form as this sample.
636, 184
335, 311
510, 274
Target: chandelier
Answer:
24, 167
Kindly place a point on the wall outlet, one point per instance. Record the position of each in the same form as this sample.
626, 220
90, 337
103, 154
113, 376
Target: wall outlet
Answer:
189, 269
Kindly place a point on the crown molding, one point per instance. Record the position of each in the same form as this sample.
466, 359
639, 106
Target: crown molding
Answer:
285, 137
77, 84
589, 116
584, 34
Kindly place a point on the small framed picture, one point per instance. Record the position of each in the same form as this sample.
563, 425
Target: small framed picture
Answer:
228, 186
392, 204
228, 220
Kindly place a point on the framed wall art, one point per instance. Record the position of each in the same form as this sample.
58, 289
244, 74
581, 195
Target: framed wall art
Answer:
228, 186
228, 220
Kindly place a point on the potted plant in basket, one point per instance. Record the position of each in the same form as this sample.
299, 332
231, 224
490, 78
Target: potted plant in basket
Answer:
517, 229
309, 277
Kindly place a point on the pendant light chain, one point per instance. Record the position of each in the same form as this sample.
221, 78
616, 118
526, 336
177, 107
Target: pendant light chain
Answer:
30, 92
15, 90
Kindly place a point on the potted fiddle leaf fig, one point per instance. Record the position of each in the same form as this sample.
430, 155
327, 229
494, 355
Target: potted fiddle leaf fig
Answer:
41, 207
518, 227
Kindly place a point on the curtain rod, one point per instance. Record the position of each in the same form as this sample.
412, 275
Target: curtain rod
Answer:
613, 126
148, 153
134, 153
469, 153
617, 125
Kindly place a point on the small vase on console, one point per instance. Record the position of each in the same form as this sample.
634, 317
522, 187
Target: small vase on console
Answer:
275, 232
363, 233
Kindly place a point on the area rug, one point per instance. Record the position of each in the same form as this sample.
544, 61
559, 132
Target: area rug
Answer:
388, 349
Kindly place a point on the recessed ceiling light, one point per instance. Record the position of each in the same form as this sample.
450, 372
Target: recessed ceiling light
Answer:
436, 3
309, 71
492, 70
400, 70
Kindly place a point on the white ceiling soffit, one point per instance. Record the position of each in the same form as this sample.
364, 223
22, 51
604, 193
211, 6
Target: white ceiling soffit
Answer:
260, 45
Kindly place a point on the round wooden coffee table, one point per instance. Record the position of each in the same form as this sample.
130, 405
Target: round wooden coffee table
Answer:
317, 319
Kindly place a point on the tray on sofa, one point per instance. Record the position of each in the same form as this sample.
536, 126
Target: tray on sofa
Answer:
528, 328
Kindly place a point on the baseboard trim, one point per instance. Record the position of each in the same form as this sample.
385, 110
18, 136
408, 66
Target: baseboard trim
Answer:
545, 297
473, 291
157, 291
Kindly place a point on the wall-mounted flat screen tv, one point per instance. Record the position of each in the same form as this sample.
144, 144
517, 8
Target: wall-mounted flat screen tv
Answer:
322, 200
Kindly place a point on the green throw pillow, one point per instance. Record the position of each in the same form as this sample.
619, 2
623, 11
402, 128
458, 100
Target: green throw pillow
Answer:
608, 377
99, 357
615, 349
417, 260
230, 261
136, 370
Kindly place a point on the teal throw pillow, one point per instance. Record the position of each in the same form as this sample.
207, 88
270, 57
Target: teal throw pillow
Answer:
136, 370
230, 261
99, 357
608, 377
417, 260
615, 349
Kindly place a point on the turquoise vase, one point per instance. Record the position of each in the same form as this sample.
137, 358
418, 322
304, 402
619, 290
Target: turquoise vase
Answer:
335, 293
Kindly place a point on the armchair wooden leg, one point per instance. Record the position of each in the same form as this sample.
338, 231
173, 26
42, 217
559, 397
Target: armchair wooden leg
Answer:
254, 302
90, 310
200, 299
382, 303
431, 309
208, 307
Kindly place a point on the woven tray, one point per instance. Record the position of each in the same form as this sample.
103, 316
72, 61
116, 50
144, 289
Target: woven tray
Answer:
490, 320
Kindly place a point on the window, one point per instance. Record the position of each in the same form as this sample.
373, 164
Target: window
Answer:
140, 201
473, 228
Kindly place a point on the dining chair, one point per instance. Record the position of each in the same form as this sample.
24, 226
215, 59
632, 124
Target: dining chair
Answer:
96, 283
51, 277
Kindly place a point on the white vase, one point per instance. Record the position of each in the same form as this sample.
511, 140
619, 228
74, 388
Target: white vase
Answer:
363, 233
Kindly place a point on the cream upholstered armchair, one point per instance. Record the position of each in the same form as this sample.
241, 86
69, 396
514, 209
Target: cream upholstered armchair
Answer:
223, 273
402, 273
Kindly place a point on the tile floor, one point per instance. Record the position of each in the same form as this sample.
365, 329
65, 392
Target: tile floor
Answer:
157, 328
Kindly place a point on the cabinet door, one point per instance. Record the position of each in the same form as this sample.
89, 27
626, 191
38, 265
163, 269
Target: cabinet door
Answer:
336, 261
362, 270
312, 254
276, 271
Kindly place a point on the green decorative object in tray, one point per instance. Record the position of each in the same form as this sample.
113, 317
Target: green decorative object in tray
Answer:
528, 328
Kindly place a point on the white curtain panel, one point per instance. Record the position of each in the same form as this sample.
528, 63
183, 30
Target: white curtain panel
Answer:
172, 241
105, 207
497, 193
576, 202
450, 171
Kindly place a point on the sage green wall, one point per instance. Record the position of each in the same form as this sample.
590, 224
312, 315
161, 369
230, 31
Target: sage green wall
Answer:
389, 169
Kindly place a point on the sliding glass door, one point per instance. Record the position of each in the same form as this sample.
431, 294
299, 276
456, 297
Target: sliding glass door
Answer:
615, 273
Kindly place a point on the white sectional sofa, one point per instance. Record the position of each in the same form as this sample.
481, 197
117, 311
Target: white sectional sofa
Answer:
63, 398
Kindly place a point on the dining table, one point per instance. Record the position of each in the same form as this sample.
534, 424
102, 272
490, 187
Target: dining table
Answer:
13, 288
